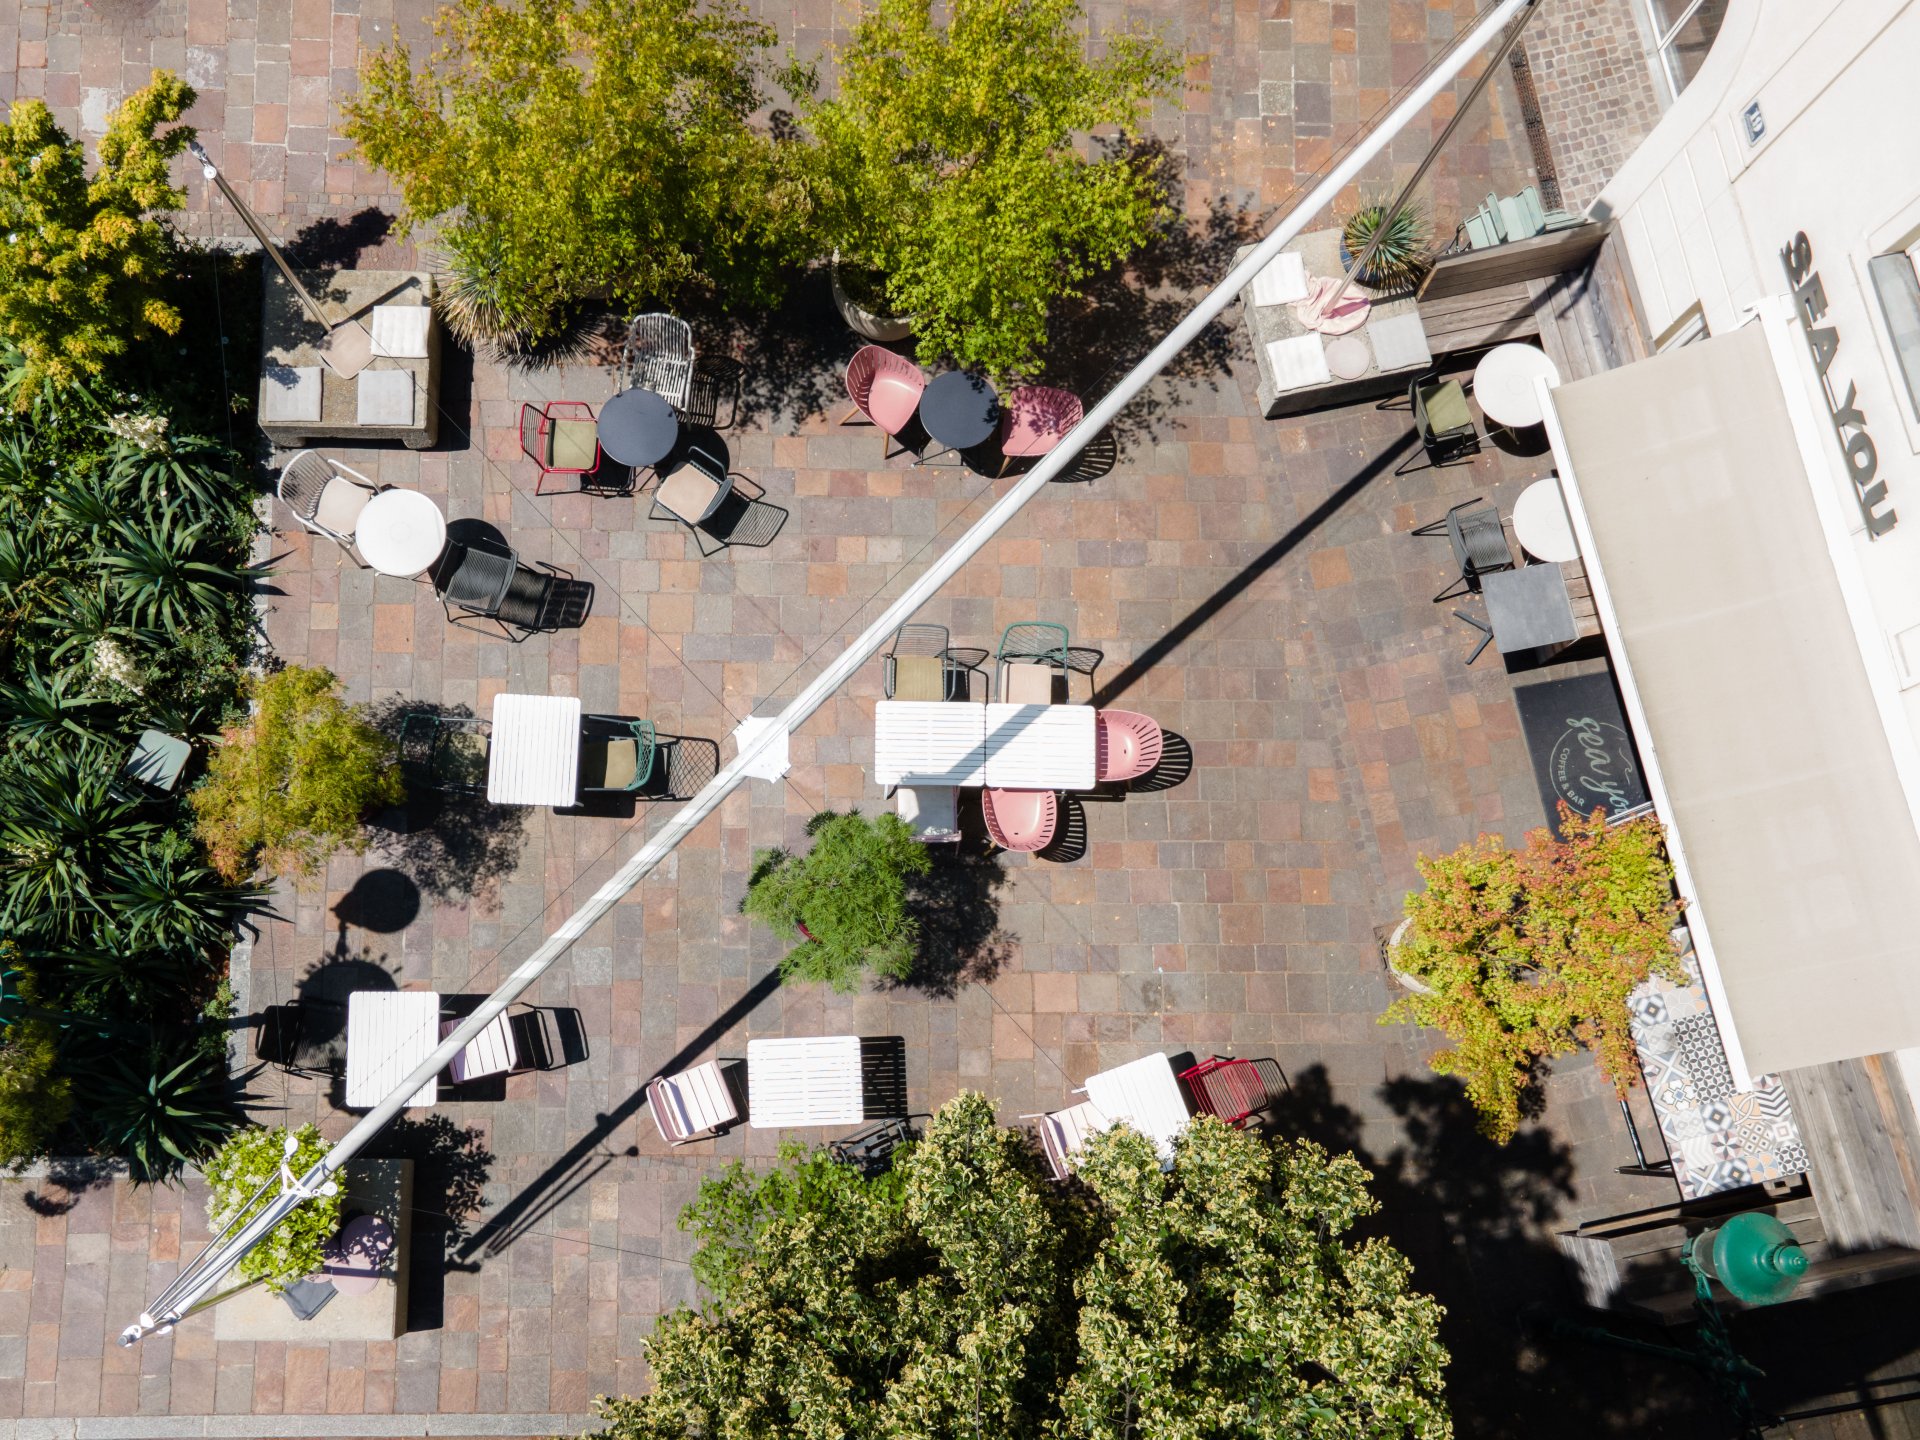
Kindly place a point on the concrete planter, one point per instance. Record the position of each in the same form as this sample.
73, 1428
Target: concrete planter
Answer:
882, 329
1405, 981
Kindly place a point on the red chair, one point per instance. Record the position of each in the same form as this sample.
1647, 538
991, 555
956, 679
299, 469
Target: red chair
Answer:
1020, 819
885, 388
1126, 745
561, 438
1034, 419
1230, 1089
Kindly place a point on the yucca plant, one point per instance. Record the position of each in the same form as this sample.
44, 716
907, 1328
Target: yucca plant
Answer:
84, 613
190, 468
1401, 257
59, 827
108, 975
477, 298
162, 570
39, 707
164, 898
89, 503
158, 1114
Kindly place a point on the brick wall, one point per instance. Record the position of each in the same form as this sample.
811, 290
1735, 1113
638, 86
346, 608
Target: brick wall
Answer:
1597, 96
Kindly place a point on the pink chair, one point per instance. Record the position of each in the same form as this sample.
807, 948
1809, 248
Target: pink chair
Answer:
885, 388
1126, 745
1020, 819
1035, 419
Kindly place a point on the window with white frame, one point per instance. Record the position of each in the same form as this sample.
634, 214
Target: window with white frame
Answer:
1685, 31
1896, 283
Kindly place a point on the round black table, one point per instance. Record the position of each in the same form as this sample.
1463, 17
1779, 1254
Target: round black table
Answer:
638, 428
959, 410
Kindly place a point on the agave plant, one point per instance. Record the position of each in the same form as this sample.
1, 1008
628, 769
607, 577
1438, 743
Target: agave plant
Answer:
1400, 259
163, 898
162, 572
59, 828
191, 468
158, 1115
475, 299
39, 707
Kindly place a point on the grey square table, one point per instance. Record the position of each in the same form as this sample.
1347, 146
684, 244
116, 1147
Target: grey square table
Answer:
1528, 608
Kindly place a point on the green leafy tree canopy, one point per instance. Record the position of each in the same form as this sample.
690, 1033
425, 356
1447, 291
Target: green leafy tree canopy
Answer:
1533, 953
582, 147
293, 784
84, 261
950, 163
965, 1294
847, 896
253, 1157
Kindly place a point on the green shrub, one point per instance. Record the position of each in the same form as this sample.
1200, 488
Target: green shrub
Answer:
34, 1101
251, 1158
948, 162
159, 1108
293, 784
1533, 953
849, 892
85, 275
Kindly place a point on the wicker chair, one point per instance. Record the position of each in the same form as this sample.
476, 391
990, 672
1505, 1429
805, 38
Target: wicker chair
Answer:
658, 356
327, 497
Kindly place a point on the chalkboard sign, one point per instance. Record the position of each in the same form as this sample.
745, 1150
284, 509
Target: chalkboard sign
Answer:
1582, 751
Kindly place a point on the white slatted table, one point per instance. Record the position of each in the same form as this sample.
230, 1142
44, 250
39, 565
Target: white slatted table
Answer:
534, 758
929, 742
388, 1033
1040, 747
813, 1080
1145, 1094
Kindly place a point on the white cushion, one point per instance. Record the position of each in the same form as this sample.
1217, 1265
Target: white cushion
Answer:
289, 393
1282, 280
340, 506
1298, 362
1399, 342
400, 331
386, 397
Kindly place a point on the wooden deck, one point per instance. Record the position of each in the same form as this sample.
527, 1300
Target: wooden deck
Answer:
1863, 1144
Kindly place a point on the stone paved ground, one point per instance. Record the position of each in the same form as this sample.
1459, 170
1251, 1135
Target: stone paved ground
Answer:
1253, 588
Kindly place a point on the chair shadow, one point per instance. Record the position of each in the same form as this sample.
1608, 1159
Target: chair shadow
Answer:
883, 1076
453, 847
1069, 841
1176, 764
742, 520
567, 605
717, 383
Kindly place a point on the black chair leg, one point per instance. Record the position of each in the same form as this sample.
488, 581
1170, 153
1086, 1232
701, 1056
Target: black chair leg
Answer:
1486, 633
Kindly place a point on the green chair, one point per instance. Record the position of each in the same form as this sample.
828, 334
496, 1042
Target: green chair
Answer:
1031, 653
617, 755
1443, 421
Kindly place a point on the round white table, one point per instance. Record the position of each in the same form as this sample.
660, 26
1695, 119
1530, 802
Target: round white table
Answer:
1503, 383
401, 532
1541, 525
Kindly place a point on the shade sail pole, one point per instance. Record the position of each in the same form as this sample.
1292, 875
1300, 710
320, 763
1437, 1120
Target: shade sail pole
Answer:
757, 738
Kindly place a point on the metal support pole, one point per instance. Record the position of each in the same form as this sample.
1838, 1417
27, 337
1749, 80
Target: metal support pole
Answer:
1507, 43
207, 1269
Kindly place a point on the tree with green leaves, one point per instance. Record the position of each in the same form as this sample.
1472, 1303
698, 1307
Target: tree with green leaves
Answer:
294, 784
1528, 954
949, 164
846, 897
964, 1294
585, 147
84, 260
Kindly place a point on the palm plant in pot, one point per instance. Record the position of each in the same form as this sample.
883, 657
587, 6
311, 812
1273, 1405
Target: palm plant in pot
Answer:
1400, 259
1521, 955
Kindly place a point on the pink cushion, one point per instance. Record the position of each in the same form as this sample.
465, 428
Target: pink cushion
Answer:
892, 401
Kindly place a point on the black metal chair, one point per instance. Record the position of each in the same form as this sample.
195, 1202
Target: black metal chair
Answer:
1479, 542
1442, 421
486, 584
446, 753
870, 1151
921, 665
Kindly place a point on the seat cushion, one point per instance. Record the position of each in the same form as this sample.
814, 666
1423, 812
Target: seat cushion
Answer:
289, 393
340, 505
1446, 407
608, 763
1399, 341
400, 331
919, 677
689, 493
385, 397
573, 445
1029, 684
892, 401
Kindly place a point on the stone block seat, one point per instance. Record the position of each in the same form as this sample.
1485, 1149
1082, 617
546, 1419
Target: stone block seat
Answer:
396, 397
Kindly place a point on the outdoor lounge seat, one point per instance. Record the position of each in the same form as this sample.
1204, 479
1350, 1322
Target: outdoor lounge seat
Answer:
327, 497
1479, 542
1063, 1132
1020, 819
658, 356
561, 438
1127, 745
483, 583
491, 1052
1443, 422
1038, 648
696, 1104
616, 754
885, 388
